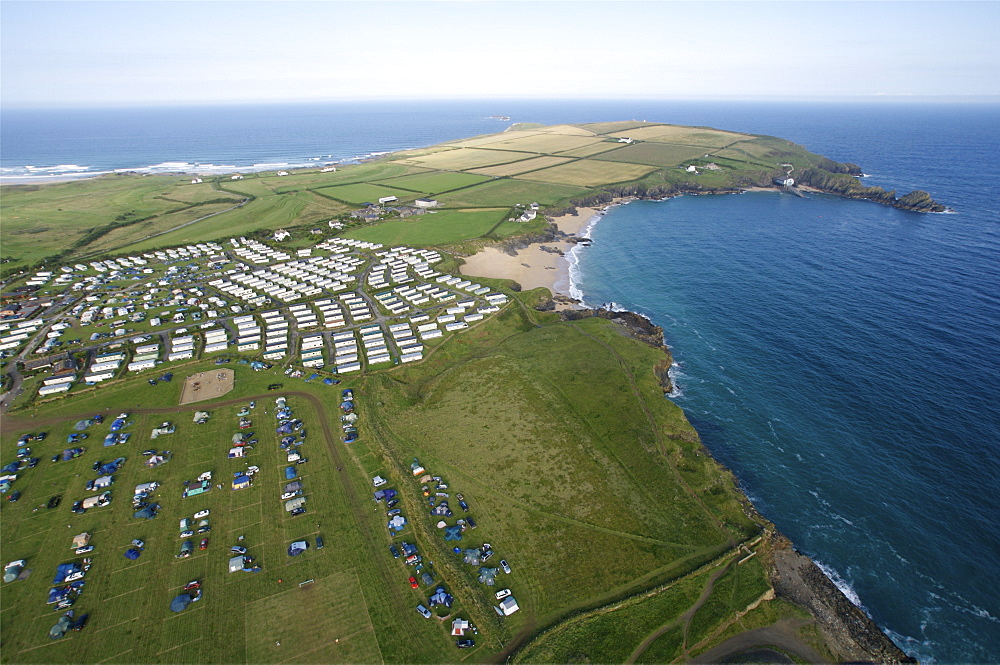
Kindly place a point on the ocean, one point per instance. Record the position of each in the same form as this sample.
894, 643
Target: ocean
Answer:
839, 356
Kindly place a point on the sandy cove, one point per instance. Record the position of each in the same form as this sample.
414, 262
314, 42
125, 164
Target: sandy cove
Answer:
541, 264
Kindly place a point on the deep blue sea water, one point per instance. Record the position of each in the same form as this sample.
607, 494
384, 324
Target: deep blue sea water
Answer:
841, 357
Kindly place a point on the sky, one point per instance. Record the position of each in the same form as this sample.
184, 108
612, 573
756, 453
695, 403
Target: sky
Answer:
128, 53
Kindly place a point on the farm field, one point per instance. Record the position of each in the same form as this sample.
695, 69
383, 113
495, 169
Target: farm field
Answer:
703, 136
653, 154
434, 182
522, 166
462, 159
503, 192
444, 227
363, 192
544, 143
589, 173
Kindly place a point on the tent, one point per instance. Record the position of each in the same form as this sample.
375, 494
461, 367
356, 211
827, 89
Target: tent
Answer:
290, 472
237, 452
292, 504
57, 594
66, 572
81, 540
81, 425
293, 486
297, 548
238, 437
157, 460
347, 405
236, 563
147, 513
12, 570
58, 630
397, 523
132, 553
200, 415
241, 482
180, 603
453, 532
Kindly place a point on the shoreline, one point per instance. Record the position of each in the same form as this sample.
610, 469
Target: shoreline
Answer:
548, 264
795, 575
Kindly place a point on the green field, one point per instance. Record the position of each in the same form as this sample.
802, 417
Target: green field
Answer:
444, 227
364, 193
435, 183
507, 192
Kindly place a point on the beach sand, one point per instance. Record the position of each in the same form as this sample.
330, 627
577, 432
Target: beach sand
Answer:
538, 265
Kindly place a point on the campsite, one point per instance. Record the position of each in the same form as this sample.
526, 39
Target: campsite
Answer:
355, 562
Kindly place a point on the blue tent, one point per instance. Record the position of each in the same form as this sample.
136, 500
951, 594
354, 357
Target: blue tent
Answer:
64, 570
347, 405
328, 382
132, 553
148, 513
453, 532
298, 547
57, 594
290, 472
179, 603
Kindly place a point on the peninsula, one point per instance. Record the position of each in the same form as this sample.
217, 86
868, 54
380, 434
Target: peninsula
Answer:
413, 459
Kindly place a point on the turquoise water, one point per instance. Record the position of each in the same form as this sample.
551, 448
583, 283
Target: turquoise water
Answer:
841, 357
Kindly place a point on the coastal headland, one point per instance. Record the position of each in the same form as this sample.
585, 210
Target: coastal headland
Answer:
618, 534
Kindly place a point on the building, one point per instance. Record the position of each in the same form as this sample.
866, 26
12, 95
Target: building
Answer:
784, 182
425, 203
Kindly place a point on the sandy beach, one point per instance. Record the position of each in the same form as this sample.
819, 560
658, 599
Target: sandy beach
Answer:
541, 264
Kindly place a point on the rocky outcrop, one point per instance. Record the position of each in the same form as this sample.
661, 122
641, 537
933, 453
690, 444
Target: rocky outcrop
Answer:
847, 185
851, 634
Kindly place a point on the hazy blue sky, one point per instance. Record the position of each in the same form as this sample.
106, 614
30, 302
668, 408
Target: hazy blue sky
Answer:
97, 53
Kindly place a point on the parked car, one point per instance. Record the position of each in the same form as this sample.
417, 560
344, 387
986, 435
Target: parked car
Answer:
236, 549
502, 593
424, 612
393, 551
413, 582
503, 564
14, 496
85, 549
319, 542
465, 644
203, 545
